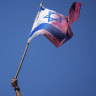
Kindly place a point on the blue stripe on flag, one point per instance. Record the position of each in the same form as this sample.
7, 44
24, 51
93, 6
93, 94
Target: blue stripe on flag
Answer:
58, 34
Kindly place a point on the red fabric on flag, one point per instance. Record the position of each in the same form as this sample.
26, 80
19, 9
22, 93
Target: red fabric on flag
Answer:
74, 12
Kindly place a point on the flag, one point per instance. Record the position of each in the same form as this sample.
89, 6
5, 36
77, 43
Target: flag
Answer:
55, 26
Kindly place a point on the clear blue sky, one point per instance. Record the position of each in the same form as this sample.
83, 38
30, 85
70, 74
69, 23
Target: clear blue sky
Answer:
69, 70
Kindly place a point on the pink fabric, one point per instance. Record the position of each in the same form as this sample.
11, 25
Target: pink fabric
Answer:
74, 12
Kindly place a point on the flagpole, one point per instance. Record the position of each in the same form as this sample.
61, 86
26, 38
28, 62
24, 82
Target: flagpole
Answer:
41, 5
22, 60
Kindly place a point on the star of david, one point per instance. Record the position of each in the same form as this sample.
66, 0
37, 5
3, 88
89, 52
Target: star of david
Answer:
59, 19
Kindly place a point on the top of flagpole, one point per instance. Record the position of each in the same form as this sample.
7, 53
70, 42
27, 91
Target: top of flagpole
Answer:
41, 4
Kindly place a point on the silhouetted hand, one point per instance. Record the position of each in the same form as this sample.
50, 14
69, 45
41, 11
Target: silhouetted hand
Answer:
14, 82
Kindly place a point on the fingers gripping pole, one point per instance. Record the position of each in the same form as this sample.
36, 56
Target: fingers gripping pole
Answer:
22, 60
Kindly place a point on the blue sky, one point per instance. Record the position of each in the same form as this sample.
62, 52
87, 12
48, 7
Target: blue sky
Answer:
69, 70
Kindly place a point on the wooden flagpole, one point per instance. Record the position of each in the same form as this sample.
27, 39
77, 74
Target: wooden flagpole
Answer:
22, 60
41, 5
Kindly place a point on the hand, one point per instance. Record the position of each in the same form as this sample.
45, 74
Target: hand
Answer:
14, 82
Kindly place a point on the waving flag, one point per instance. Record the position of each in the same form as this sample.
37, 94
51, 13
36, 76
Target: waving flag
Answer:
55, 26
